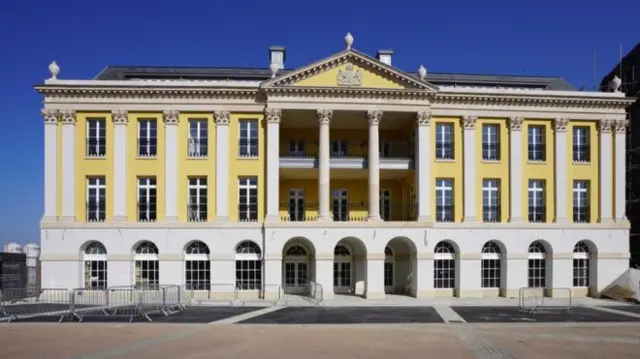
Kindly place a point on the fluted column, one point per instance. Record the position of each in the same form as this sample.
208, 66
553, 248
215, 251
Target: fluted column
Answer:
515, 169
606, 171
620, 170
120, 121
68, 118
273, 116
422, 165
171, 119
373, 118
222, 165
469, 125
560, 127
324, 118
50, 164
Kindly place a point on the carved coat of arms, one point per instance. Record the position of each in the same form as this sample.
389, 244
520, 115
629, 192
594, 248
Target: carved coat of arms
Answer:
349, 76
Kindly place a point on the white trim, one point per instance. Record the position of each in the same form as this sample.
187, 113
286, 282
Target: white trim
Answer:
171, 172
620, 165
150, 124
50, 169
244, 183
222, 171
198, 184
273, 170
469, 174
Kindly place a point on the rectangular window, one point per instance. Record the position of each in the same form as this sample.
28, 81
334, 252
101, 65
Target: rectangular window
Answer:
491, 142
96, 199
340, 205
248, 199
536, 145
296, 205
248, 138
491, 200
536, 201
339, 148
197, 206
198, 145
296, 148
148, 138
444, 200
581, 146
96, 137
385, 204
147, 201
444, 141
581, 201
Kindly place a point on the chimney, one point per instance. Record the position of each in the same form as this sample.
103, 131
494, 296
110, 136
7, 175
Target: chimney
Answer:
277, 56
384, 56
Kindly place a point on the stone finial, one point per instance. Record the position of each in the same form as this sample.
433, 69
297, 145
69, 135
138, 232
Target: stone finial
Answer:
274, 115
324, 116
422, 71
222, 117
120, 117
374, 117
423, 118
469, 122
348, 40
560, 124
273, 67
54, 69
615, 84
171, 117
515, 123
50, 116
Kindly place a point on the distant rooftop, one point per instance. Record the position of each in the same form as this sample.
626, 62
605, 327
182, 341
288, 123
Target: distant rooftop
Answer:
124, 73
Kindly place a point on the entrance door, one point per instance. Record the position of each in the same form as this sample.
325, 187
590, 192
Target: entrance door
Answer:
388, 277
342, 277
296, 277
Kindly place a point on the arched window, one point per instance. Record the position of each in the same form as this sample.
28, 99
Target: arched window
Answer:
444, 266
197, 267
296, 250
537, 265
146, 269
388, 267
581, 264
341, 251
491, 265
248, 266
95, 266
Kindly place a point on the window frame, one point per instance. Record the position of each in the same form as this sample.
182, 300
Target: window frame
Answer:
250, 212
490, 142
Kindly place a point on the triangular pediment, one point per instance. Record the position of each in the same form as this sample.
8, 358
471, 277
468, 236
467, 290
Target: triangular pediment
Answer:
350, 69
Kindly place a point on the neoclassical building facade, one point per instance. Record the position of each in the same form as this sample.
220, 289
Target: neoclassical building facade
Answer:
348, 173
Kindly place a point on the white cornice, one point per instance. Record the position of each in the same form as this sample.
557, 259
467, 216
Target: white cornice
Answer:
153, 83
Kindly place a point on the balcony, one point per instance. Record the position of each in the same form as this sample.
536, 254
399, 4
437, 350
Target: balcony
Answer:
356, 158
345, 212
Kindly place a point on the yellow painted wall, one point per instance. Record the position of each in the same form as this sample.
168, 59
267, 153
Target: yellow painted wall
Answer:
239, 167
449, 168
493, 169
539, 170
370, 78
584, 171
86, 167
197, 167
145, 167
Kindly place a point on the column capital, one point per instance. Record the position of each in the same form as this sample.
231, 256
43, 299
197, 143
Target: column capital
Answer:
120, 117
423, 118
374, 117
515, 123
50, 116
560, 124
171, 117
222, 117
68, 117
469, 122
324, 116
273, 115
606, 125
621, 126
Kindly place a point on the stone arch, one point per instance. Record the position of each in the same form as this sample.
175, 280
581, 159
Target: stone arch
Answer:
194, 247
146, 266
197, 266
94, 265
143, 247
93, 247
585, 268
540, 265
493, 268
298, 266
350, 266
401, 267
299, 241
248, 264
446, 266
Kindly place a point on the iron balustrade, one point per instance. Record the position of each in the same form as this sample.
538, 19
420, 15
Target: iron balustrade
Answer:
248, 147
96, 210
299, 154
147, 211
536, 152
444, 213
537, 214
581, 153
197, 212
197, 147
147, 147
360, 153
491, 151
96, 147
491, 213
581, 214
444, 150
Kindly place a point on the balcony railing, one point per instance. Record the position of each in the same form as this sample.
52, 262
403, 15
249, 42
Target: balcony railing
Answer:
197, 147
491, 214
248, 147
356, 153
581, 153
299, 153
147, 147
580, 214
197, 212
491, 151
537, 214
147, 212
96, 147
536, 152
345, 212
96, 211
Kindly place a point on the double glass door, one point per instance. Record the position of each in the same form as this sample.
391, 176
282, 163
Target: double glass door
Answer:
296, 276
342, 277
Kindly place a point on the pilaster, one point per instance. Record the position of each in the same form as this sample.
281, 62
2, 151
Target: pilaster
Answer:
120, 121
222, 165
68, 118
273, 116
606, 171
515, 168
422, 165
373, 118
620, 169
171, 120
469, 125
560, 129
324, 276
51, 118
324, 118
375, 278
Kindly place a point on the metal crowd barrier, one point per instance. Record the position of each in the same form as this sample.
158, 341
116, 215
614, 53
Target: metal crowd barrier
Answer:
113, 303
274, 294
535, 300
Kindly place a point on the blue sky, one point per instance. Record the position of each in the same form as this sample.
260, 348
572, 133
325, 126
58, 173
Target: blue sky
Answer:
540, 37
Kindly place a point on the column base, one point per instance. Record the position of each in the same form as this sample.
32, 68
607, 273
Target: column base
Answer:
606, 220
562, 220
470, 220
374, 218
170, 219
324, 218
119, 219
221, 219
425, 218
272, 218
517, 220
67, 219
49, 219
